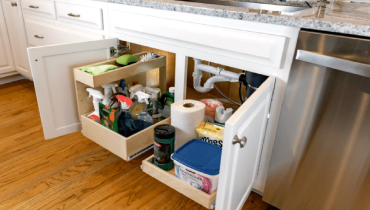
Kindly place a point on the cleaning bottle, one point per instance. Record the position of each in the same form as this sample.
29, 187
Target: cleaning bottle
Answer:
122, 88
153, 105
222, 115
144, 119
136, 108
126, 126
97, 97
108, 88
166, 100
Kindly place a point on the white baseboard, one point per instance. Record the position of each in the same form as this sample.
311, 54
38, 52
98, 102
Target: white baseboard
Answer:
11, 78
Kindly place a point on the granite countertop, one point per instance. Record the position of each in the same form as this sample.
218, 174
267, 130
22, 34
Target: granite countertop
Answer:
340, 17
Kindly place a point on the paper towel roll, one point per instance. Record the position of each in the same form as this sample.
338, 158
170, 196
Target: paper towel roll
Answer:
186, 115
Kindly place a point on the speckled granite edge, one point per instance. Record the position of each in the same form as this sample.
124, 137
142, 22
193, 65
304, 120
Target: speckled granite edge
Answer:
233, 13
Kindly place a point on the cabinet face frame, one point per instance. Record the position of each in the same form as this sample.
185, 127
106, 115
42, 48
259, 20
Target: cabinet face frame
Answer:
6, 57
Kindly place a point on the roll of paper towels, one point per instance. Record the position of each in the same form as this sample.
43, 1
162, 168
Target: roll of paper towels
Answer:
186, 115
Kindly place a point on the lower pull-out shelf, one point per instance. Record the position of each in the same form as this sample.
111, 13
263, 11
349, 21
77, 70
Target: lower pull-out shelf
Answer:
169, 178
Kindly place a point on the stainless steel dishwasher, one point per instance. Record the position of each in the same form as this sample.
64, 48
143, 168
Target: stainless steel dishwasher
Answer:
321, 155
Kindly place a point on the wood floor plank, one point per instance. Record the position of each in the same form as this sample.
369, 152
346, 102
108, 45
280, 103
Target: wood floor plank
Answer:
71, 172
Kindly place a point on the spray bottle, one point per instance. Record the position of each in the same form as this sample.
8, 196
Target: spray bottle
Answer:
108, 88
136, 109
153, 105
144, 119
222, 115
126, 126
97, 97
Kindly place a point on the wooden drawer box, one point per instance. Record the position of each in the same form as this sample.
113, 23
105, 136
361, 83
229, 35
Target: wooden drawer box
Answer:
126, 148
169, 178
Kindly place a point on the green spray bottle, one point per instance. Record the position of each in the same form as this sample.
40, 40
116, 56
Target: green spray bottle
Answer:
166, 100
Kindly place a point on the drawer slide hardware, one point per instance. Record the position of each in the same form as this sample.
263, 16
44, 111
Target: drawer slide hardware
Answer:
39, 37
34, 7
119, 50
242, 141
73, 15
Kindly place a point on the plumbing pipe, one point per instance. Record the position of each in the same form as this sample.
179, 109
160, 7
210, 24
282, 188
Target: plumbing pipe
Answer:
221, 75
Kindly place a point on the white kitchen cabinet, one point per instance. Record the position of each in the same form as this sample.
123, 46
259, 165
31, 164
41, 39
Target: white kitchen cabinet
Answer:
6, 57
17, 35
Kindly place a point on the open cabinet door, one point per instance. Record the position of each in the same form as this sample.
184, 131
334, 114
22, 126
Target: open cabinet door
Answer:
52, 71
239, 163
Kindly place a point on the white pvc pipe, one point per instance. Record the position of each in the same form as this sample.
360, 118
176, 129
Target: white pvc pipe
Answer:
221, 76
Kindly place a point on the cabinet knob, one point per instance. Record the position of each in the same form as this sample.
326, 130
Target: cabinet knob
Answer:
39, 37
73, 15
242, 142
34, 7
14, 4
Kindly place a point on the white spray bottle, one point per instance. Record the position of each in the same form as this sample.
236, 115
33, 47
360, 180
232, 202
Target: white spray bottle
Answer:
136, 108
97, 97
153, 110
222, 115
143, 101
108, 88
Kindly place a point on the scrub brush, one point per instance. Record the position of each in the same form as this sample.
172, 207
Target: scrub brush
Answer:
148, 57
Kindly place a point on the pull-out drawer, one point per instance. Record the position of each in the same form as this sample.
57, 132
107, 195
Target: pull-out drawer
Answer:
126, 148
91, 17
41, 34
43, 8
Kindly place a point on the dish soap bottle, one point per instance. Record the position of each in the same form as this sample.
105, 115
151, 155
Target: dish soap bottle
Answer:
144, 119
126, 126
166, 100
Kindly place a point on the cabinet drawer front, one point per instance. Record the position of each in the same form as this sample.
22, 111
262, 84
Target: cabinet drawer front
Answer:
40, 34
43, 8
91, 17
244, 45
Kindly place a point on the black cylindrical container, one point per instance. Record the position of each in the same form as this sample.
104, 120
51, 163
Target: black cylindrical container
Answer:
164, 146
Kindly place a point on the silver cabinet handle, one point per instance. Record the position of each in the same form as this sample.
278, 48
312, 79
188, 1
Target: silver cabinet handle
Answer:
334, 63
39, 37
34, 7
73, 15
14, 4
242, 141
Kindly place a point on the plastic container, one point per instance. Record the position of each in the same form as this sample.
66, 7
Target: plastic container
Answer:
198, 163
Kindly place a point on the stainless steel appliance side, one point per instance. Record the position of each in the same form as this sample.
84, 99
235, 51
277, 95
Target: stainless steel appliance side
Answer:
321, 155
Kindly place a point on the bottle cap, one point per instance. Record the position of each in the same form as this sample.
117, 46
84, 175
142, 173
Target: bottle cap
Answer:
172, 89
126, 102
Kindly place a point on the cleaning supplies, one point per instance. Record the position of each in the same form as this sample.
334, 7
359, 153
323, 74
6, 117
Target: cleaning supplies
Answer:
122, 88
142, 99
94, 70
108, 117
153, 106
211, 105
97, 97
166, 100
164, 146
148, 57
108, 88
126, 126
198, 163
222, 115
127, 59
186, 116
137, 107
211, 133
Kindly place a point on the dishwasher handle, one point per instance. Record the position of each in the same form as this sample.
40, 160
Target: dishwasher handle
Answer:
334, 63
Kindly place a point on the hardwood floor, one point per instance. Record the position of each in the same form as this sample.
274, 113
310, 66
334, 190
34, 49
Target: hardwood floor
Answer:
72, 172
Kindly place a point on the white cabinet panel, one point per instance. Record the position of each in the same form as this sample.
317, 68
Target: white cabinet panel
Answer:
239, 165
83, 15
52, 68
6, 58
17, 36
44, 8
44, 33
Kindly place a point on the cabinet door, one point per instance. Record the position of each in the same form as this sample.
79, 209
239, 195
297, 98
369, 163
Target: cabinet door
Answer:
17, 36
52, 68
6, 58
239, 165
